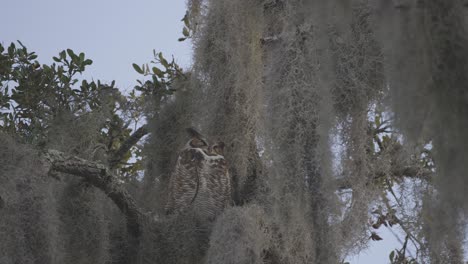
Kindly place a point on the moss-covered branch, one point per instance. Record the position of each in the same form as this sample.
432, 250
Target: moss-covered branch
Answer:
102, 178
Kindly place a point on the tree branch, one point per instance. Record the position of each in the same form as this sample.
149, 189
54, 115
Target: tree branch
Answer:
413, 238
127, 145
101, 177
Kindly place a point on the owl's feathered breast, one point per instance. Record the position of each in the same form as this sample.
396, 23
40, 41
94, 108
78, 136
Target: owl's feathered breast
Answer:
199, 181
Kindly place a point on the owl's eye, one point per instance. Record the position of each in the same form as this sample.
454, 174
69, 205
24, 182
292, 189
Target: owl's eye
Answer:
198, 143
219, 148
216, 150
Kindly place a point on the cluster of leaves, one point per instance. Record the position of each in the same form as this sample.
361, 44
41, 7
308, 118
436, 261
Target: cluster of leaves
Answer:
33, 95
161, 77
187, 30
159, 86
388, 219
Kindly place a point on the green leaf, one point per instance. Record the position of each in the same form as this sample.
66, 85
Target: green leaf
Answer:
11, 49
70, 53
137, 68
63, 55
392, 255
181, 39
56, 59
84, 86
155, 80
186, 19
82, 56
163, 60
158, 72
88, 62
46, 68
185, 31
64, 79
60, 71
377, 121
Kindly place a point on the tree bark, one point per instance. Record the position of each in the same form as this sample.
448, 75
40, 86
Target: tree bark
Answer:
102, 178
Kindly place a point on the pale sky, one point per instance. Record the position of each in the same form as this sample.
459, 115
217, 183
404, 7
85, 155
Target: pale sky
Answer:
115, 34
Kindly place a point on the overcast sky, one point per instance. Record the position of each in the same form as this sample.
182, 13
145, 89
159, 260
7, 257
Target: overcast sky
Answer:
115, 34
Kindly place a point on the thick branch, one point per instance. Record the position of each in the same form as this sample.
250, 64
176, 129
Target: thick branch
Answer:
127, 145
99, 176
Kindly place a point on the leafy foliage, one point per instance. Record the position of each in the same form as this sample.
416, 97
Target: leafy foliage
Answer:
188, 30
157, 86
162, 73
33, 96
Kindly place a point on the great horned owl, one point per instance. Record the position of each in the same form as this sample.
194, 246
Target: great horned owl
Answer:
200, 180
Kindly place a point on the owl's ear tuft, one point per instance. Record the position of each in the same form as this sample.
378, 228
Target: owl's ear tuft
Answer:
193, 133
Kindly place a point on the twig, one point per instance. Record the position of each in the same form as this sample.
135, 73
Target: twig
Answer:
405, 229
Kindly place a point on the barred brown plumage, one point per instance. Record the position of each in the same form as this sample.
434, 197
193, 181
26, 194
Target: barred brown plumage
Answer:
200, 180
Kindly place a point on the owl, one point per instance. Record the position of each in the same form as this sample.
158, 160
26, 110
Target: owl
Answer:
200, 180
